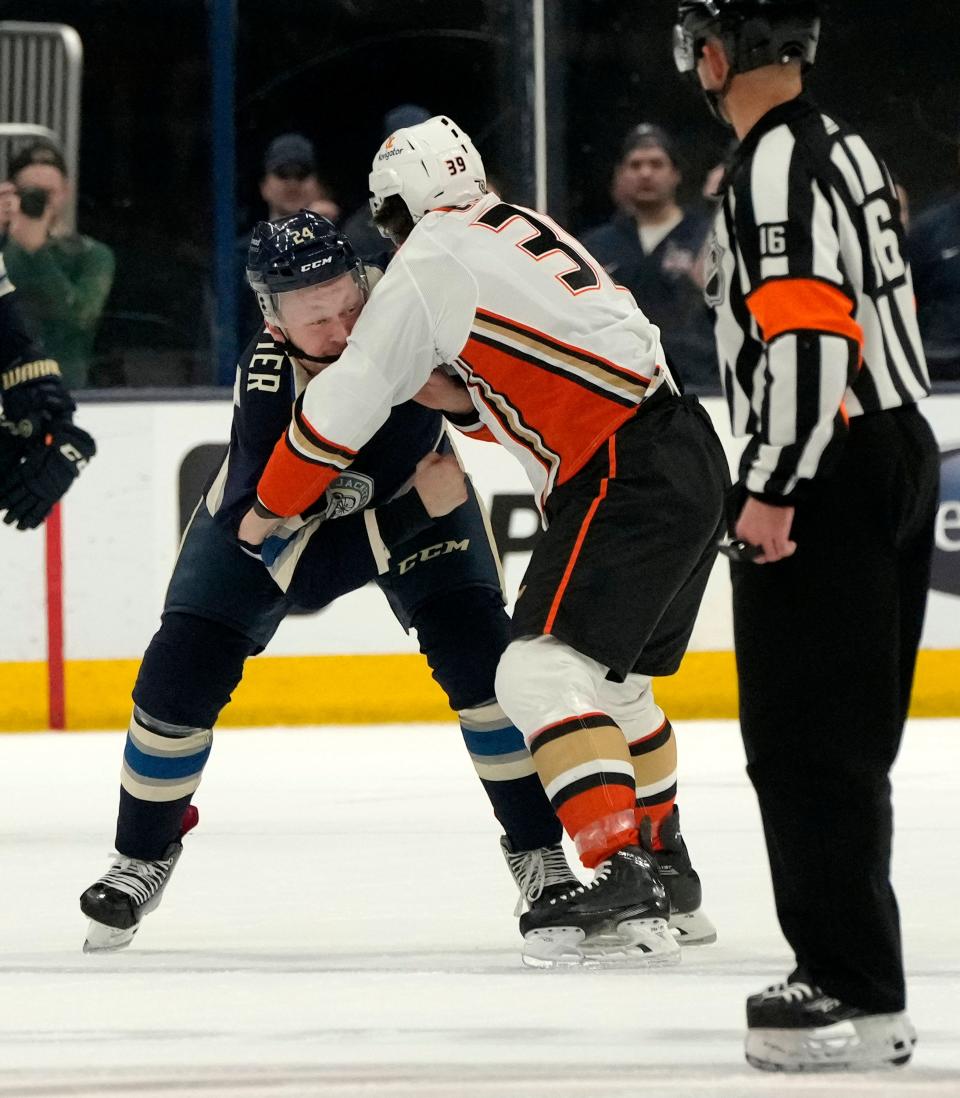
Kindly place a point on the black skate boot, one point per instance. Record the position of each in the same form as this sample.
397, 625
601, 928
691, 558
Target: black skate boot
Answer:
130, 889
619, 918
798, 1027
688, 922
539, 874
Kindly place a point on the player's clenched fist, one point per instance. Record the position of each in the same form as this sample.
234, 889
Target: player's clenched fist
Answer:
440, 482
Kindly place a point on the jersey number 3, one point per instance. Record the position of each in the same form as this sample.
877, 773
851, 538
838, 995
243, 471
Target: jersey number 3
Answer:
542, 243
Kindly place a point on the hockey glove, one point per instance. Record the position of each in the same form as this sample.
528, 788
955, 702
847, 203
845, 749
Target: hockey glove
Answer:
28, 491
11, 447
34, 396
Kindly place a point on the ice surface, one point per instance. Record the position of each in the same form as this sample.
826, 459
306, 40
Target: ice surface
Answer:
340, 924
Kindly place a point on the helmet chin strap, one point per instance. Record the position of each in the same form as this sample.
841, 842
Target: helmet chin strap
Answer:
716, 97
298, 352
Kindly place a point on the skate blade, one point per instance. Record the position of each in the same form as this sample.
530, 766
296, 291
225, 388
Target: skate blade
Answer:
863, 1044
636, 943
692, 928
107, 939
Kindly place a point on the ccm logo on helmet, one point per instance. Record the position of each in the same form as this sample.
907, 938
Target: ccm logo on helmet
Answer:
317, 263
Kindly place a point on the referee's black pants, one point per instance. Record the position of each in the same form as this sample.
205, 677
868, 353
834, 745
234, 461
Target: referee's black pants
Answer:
826, 643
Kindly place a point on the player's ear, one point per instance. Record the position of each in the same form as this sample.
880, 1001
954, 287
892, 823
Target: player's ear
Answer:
277, 333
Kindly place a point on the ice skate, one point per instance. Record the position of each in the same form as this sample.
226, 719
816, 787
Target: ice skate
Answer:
688, 922
797, 1027
130, 889
538, 874
618, 918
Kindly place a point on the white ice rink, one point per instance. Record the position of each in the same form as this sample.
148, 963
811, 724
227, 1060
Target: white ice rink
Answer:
340, 924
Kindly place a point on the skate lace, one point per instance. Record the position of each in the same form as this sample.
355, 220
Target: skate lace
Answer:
136, 878
792, 993
601, 873
535, 870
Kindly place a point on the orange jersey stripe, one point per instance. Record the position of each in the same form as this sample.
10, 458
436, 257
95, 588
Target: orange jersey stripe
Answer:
289, 483
571, 420
803, 304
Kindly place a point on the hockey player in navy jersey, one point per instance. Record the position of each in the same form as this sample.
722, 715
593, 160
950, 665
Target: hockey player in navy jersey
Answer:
404, 494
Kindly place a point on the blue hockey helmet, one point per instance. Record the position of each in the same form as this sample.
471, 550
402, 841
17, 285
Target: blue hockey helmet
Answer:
301, 250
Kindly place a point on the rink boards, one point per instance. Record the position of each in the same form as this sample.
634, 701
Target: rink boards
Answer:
351, 663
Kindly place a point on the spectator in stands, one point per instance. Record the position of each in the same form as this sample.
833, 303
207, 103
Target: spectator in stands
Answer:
933, 248
63, 278
289, 183
651, 246
359, 228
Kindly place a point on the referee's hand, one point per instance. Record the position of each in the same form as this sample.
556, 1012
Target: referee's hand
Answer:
768, 527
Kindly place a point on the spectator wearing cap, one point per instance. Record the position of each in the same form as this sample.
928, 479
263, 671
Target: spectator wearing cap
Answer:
359, 228
63, 278
289, 183
651, 246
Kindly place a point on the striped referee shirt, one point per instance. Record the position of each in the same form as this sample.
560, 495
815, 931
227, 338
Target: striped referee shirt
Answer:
815, 318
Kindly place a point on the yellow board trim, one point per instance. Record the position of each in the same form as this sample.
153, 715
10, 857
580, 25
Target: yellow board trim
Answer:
383, 689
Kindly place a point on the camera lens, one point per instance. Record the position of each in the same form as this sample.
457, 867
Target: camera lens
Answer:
33, 201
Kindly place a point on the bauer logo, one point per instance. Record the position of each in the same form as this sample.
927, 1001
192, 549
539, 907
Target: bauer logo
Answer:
946, 550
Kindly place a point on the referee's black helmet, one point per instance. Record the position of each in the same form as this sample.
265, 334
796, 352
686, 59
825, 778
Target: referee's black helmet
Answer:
754, 33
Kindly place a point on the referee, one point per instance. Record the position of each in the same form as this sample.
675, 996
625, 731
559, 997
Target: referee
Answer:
833, 516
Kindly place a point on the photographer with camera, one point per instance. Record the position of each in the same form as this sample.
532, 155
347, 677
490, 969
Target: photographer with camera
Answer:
41, 450
63, 278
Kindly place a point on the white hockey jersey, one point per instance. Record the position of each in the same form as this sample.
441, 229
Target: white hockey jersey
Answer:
554, 354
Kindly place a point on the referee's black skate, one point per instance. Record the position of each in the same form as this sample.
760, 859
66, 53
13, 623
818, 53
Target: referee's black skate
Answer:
130, 889
797, 1027
689, 923
618, 918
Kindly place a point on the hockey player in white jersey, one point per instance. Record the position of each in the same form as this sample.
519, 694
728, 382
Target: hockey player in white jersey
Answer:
560, 366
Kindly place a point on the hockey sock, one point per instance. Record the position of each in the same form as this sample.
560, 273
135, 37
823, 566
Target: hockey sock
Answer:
509, 778
584, 764
655, 769
162, 765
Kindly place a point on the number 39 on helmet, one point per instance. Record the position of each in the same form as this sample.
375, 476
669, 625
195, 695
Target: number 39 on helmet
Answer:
428, 166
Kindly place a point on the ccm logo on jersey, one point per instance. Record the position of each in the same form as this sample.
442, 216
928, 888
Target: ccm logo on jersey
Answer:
431, 552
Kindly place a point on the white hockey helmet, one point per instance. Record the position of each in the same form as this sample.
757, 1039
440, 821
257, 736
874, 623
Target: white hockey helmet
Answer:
430, 165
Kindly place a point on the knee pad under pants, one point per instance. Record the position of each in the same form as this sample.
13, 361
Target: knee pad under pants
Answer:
540, 681
191, 667
463, 633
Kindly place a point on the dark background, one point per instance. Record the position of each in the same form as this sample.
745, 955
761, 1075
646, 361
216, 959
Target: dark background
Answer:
330, 69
